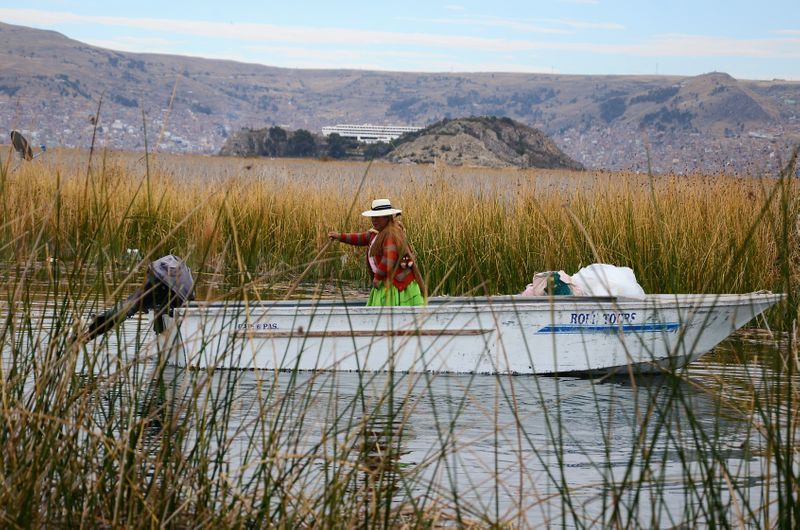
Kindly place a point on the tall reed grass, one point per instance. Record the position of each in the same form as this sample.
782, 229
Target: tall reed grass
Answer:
107, 434
680, 234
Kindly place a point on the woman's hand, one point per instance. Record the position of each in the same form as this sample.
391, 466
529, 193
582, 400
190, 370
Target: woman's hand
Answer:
334, 236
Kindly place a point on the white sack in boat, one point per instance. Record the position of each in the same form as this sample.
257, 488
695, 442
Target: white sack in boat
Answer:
602, 279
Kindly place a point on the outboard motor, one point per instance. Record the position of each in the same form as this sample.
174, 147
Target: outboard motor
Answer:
168, 284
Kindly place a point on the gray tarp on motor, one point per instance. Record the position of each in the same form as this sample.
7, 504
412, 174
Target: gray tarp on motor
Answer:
173, 272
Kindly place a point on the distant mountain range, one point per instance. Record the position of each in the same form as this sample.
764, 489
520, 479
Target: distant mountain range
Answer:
51, 87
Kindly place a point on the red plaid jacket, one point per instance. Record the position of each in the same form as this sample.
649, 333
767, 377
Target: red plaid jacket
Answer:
387, 258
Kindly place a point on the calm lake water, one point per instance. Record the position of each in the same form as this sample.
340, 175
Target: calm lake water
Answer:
530, 450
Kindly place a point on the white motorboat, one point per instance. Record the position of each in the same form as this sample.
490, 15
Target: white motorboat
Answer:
506, 334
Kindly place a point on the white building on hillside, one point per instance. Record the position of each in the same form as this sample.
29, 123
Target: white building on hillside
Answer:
370, 134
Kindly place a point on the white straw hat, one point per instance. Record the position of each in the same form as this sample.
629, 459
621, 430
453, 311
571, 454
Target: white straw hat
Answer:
381, 208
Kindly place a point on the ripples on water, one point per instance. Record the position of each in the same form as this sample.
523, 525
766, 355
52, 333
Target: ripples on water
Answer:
533, 450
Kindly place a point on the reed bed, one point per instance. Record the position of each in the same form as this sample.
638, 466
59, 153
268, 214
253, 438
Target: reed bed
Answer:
109, 434
472, 234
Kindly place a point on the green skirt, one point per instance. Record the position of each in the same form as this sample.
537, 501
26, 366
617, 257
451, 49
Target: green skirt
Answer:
411, 295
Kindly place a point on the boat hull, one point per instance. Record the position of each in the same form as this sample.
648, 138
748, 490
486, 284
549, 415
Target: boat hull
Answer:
460, 335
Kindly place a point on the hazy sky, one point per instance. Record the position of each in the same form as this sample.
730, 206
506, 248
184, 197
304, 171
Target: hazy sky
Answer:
747, 39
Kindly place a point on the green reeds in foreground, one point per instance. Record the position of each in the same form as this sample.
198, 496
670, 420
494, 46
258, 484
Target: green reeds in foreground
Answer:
108, 434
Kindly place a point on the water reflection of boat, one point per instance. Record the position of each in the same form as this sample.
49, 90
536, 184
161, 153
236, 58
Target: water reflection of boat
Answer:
481, 335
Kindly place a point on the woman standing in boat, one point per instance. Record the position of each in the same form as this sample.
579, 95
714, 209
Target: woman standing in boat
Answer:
395, 278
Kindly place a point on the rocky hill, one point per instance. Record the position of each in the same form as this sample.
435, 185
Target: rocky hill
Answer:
475, 141
51, 88
482, 141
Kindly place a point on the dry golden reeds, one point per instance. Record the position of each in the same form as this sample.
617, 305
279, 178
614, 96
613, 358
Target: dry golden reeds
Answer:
473, 233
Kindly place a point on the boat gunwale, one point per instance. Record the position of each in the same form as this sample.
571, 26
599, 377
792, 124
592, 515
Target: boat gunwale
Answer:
499, 303
434, 301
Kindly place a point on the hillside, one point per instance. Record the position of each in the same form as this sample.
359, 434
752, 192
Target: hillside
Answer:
482, 141
51, 85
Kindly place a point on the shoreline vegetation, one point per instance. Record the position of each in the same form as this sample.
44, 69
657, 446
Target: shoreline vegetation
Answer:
476, 231
107, 434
